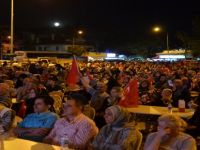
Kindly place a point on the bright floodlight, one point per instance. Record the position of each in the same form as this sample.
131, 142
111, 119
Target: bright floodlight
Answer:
56, 24
80, 32
156, 29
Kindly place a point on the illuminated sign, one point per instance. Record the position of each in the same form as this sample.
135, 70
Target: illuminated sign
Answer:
111, 55
172, 56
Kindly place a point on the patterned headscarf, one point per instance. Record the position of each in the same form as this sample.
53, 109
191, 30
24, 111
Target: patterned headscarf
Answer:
121, 116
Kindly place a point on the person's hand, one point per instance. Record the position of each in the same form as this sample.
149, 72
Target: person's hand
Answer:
162, 132
80, 74
191, 127
40, 131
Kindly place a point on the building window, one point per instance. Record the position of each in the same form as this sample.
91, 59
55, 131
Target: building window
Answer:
40, 48
57, 48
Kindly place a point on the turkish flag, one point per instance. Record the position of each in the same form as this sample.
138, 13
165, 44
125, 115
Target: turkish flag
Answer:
22, 110
131, 95
90, 77
73, 75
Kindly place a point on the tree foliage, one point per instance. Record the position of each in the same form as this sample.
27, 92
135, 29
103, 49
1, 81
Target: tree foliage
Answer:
77, 50
192, 41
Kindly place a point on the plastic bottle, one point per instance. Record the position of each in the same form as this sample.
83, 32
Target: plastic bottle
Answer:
1, 143
181, 105
64, 142
170, 108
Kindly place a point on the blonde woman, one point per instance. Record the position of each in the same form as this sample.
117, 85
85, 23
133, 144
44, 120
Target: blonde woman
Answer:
170, 135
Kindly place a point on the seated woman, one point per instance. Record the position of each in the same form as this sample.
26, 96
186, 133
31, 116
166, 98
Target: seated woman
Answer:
30, 101
7, 116
194, 122
170, 136
119, 133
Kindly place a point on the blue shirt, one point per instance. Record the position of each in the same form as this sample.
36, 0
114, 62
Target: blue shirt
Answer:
39, 120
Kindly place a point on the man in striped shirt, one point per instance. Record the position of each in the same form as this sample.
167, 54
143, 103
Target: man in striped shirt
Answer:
75, 126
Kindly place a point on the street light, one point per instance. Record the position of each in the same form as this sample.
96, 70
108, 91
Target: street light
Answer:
56, 24
12, 28
158, 29
79, 32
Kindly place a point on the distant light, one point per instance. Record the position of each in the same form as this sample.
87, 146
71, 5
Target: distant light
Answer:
9, 37
156, 29
111, 55
80, 32
56, 24
121, 56
172, 56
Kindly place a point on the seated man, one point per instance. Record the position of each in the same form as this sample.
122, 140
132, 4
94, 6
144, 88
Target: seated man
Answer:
99, 100
165, 99
37, 125
116, 94
75, 126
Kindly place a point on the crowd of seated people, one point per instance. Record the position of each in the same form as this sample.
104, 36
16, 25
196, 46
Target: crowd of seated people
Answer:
88, 114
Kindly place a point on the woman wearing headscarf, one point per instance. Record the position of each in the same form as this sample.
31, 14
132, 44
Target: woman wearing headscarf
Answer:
119, 133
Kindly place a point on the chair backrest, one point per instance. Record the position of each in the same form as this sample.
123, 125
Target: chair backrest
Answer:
89, 111
57, 102
16, 121
60, 93
139, 139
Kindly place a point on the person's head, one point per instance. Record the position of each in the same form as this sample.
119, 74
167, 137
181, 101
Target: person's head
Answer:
144, 98
22, 77
5, 95
101, 87
185, 80
36, 79
33, 93
116, 116
178, 83
4, 89
52, 80
116, 92
73, 105
163, 78
174, 123
10, 83
126, 79
166, 94
145, 84
26, 81
157, 74
43, 104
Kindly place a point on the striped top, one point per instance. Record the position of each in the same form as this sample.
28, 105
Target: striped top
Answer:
6, 118
79, 132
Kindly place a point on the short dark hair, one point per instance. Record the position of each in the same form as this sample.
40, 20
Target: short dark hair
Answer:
46, 99
78, 98
117, 88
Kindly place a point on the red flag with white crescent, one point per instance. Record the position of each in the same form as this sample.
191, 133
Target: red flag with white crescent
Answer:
131, 95
73, 75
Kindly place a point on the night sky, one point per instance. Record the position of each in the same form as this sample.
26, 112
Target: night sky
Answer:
113, 21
